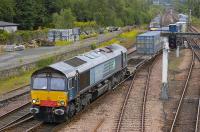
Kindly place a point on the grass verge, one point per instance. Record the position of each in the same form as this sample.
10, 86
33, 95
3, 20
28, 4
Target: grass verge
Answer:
15, 82
126, 39
23, 78
174, 62
196, 22
88, 36
63, 43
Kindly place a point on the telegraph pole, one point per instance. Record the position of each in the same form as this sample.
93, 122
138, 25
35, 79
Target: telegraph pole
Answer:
190, 17
164, 89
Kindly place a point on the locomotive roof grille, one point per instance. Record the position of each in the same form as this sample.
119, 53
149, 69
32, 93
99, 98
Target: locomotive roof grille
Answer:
75, 62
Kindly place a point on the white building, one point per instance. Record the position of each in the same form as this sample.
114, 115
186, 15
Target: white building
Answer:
9, 27
156, 2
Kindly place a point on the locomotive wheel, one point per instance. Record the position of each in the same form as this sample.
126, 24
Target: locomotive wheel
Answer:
71, 110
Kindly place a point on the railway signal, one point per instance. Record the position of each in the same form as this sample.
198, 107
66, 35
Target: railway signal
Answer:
172, 41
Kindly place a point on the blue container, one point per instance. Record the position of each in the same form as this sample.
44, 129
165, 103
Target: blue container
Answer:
149, 42
173, 28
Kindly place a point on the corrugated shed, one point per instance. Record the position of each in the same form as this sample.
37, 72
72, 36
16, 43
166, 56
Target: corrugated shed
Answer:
5, 24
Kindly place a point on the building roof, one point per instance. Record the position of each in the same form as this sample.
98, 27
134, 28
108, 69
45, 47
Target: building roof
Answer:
5, 24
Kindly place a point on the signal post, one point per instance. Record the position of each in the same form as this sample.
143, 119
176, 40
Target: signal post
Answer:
164, 89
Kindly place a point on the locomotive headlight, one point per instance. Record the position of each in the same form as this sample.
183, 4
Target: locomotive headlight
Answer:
62, 102
34, 101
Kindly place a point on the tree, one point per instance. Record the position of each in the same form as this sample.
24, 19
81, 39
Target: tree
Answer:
7, 11
31, 14
26, 13
64, 19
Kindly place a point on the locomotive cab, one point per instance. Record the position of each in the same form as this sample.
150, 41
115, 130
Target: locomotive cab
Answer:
49, 94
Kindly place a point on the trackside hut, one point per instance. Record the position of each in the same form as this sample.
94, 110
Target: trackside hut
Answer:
9, 27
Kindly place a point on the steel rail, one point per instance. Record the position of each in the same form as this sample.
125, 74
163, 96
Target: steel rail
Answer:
145, 96
197, 119
183, 93
34, 127
128, 93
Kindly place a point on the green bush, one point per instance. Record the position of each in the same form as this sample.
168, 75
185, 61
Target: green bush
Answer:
83, 25
3, 36
44, 62
93, 46
63, 43
196, 21
88, 36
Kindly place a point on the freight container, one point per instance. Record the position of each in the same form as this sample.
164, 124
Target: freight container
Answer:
149, 42
64, 34
173, 28
183, 18
182, 26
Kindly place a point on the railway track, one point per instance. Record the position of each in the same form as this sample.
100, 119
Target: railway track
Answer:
14, 95
186, 117
14, 116
197, 129
195, 43
22, 120
135, 102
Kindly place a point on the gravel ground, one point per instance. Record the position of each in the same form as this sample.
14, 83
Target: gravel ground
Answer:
154, 108
169, 18
132, 115
186, 120
104, 112
176, 83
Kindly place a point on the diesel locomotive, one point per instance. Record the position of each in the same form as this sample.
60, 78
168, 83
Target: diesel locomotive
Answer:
60, 90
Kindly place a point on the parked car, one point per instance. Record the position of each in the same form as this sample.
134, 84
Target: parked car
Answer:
112, 28
9, 48
13, 47
19, 47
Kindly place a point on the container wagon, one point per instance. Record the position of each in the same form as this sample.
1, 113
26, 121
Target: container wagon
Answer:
155, 23
149, 43
164, 29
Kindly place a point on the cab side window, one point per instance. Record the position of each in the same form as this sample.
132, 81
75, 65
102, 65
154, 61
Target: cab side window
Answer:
71, 83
